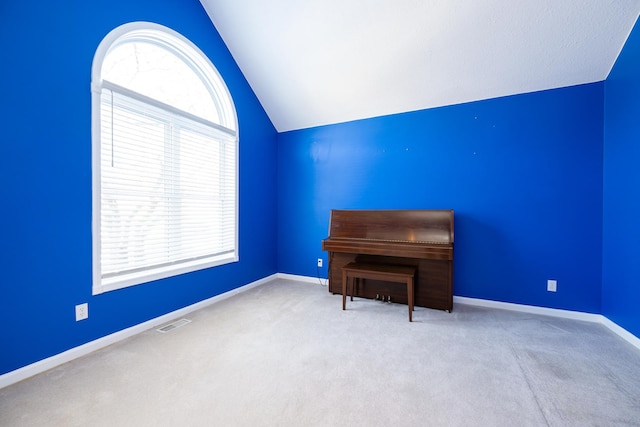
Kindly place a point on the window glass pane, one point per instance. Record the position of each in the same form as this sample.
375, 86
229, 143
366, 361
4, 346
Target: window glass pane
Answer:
158, 73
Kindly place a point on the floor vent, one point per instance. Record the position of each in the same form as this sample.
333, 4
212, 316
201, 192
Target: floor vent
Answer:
173, 325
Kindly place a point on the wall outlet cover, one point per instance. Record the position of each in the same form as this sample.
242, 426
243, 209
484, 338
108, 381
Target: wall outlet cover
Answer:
82, 311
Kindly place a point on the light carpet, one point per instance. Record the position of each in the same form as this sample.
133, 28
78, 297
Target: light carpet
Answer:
285, 354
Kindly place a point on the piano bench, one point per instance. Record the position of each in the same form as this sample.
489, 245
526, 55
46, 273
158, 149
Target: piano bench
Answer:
385, 272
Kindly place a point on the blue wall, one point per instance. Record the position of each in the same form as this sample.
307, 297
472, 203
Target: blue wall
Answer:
45, 177
621, 236
523, 174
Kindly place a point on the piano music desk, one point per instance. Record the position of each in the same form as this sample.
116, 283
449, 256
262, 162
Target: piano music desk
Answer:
386, 272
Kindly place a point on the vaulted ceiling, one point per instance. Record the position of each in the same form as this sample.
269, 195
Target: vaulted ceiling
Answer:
317, 62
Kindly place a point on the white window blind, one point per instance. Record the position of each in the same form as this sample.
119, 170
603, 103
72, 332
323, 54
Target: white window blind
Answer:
167, 190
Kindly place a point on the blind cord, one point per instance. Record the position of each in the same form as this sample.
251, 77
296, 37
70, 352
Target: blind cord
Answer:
112, 162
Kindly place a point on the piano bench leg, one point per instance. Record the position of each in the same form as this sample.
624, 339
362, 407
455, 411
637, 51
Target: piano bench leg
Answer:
348, 290
345, 278
410, 297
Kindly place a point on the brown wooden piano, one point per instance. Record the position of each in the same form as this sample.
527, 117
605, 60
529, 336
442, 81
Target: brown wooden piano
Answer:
419, 238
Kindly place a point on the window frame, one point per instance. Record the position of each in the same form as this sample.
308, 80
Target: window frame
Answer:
202, 66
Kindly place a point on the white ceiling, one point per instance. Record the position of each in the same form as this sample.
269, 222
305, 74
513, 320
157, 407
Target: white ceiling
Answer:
317, 62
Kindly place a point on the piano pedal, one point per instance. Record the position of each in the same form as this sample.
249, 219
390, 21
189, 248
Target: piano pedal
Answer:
389, 300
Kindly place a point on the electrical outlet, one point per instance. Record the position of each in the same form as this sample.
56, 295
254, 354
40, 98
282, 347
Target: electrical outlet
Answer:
82, 311
552, 285
319, 262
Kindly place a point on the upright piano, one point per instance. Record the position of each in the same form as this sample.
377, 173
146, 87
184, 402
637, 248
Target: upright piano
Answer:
419, 238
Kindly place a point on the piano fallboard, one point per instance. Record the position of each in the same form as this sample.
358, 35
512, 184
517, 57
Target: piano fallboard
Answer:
389, 248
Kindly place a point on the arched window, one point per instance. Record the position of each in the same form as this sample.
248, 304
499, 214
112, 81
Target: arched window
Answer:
165, 159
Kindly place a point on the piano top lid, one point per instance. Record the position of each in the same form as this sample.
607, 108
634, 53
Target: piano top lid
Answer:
419, 226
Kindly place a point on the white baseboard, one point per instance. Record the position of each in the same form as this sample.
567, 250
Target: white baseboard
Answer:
82, 350
621, 332
567, 314
555, 312
307, 279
